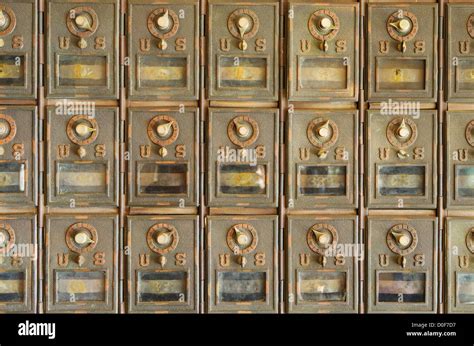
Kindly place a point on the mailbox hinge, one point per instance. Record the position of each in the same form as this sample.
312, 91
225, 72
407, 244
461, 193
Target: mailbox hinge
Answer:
40, 268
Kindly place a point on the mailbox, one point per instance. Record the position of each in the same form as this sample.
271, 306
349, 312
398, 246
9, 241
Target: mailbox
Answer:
18, 49
82, 158
401, 160
163, 48
459, 160
323, 256
18, 263
163, 169
82, 40
402, 51
459, 257
242, 155
18, 156
163, 264
402, 270
81, 264
242, 264
243, 50
323, 51
460, 52
322, 165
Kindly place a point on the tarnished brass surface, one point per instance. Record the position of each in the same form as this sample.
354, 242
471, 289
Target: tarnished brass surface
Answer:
218, 156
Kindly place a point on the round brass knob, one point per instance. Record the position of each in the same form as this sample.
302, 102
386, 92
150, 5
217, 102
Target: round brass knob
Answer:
4, 129
163, 21
242, 239
403, 131
83, 130
3, 240
163, 130
324, 239
243, 23
404, 25
81, 238
83, 22
404, 240
163, 238
242, 130
323, 131
325, 23
3, 20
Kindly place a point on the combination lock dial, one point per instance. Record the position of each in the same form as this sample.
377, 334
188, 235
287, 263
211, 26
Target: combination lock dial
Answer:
82, 130
163, 24
320, 237
243, 131
402, 239
324, 26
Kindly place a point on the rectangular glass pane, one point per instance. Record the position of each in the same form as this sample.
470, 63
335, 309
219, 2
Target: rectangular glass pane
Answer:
465, 288
240, 179
80, 286
465, 75
158, 71
162, 287
400, 287
240, 287
81, 178
241, 72
322, 180
155, 178
464, 181
12, 287
401, 180
322, 286
80, 70
12, 70
12, 177
322, 73
401, 74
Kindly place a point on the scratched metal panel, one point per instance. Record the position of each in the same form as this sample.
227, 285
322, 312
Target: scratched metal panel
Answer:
242, 264
323, 256
81, 264
82, 49
163, 264
243, 50
402, 53
163, 47
402, 264
323, 51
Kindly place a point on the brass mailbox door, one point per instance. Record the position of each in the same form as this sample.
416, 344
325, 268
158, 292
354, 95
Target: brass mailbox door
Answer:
323, 51
242, 264
18, 49
401, 160
243, 157
18, 156
323, 255
82, 158
18, 264
322, 166
82, 40
460, 52
459, 160
243, 50
163, 264
163, 169
459, 265
402, 51
163, 47
81, 264
402, 257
